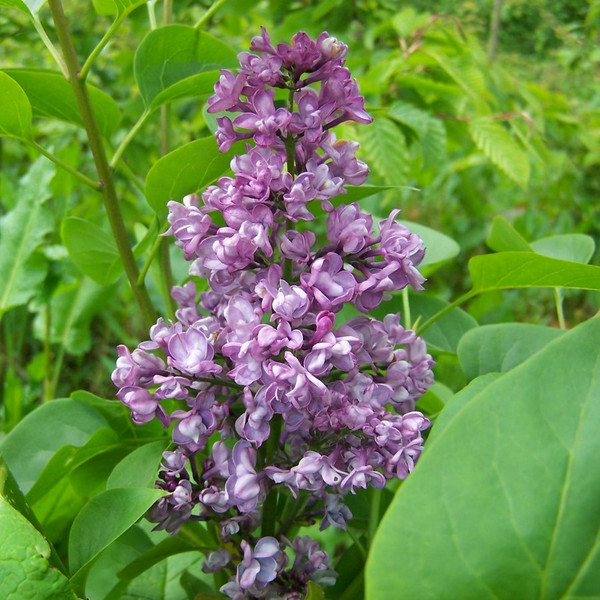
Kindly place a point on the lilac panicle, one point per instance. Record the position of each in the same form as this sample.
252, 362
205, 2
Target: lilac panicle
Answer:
265, 389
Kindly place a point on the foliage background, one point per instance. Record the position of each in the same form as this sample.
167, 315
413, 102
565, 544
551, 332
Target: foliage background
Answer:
463, 134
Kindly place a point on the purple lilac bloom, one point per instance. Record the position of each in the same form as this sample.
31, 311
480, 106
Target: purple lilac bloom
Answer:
264, 387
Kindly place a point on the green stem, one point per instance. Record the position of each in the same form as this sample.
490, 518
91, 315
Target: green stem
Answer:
151, 14
130, 135
96, 51
105, 174
63, 165
149, 259
558, 299
209, 13
446, 310
406, 309
48, 43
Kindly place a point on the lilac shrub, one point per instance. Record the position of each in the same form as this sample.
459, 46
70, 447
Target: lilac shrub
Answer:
275, 401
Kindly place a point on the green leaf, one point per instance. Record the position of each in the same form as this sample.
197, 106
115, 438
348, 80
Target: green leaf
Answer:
27, 6
438, 246
139, 468
497, 144
22, 269
503, 237
184, 171
173, 53
576, 247
51, 95
15, 116
92, 249
18, 4
72, 307
384, 144
501, 347
103, 519
445, 333
118, 7
528, 269
509, 485
25, 571
29, 446
201, 84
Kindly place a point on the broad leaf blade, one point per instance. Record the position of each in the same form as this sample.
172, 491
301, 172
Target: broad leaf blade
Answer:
438, 246
170, 54
92, 249
501, 347
118, 7
51, 95
104, 519
15, 116
139, 468
510, 485
184, 171
29, 446
22, 269
529, 269
577, 247
503, 237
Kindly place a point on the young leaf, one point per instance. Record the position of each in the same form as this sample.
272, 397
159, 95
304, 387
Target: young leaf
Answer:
497, 144
501, 347
103, 519
15, 116
51, 95
171, 54
184, 171
25, 571
92, 249
22, 269
29, 446
528, 269
473, 510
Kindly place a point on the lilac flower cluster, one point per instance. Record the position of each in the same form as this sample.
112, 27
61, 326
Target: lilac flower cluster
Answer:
276, 397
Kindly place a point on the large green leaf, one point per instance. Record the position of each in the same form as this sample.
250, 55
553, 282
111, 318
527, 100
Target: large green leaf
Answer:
139, 468
184, 171
22, 268
501, 347
92, 249
103, 519
504, 502
529, 269
51, 95
496, 143
16, 115
31, 444
25, 571
171, 54
27, 6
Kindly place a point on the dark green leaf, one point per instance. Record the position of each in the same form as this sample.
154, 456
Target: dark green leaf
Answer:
170, 54
103, 519
29, 446
501, 347
15, 116
504, 502
92, 249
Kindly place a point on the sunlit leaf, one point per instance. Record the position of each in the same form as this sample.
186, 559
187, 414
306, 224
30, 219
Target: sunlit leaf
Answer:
15, 116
